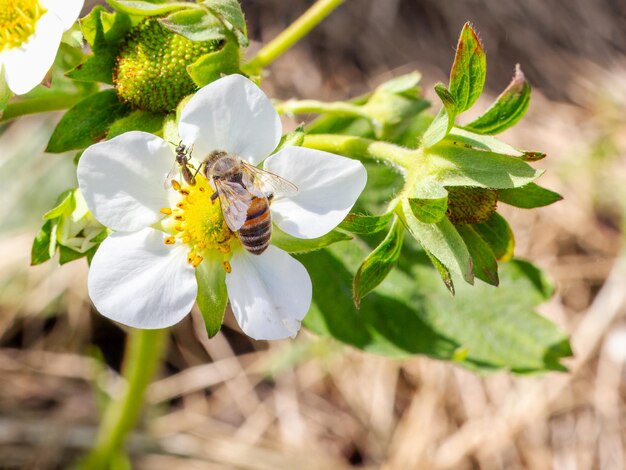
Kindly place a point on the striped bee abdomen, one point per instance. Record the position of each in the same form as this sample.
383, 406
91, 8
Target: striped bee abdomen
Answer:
256, 232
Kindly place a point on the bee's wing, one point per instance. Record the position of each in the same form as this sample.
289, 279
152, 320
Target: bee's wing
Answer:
235, 201
167, 184
263, 183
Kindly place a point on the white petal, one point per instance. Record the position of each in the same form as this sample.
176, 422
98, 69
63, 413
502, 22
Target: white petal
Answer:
234, 115
122, 180
328, 186
270, 293
137, 280
66, 10
27, 65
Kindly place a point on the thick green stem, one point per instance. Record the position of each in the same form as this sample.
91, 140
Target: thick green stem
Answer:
294, 32
358, 147
143, 356
336, 108
42, 104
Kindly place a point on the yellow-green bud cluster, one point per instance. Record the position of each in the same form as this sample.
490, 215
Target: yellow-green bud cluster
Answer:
471, 205
150, 73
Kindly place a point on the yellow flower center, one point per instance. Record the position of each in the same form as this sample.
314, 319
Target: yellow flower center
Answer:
197, 221
17, 21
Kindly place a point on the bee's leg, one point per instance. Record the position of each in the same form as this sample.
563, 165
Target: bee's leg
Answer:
270, 198
196, 173
214, 196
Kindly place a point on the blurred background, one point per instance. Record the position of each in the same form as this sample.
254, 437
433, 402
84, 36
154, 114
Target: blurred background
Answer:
234, 403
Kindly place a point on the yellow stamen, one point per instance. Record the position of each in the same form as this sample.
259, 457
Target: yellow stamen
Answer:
18, 19
179, 217
227, 267
176, 185
169, 240
196, 261
166, 211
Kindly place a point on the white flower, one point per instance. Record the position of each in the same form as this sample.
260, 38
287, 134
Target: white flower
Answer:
143, 275
30, 35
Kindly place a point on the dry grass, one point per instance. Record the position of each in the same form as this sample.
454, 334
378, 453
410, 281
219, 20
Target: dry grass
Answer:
311, 403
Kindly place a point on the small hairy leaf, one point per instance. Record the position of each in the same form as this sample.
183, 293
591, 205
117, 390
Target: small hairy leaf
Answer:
454, 165
87, 122
378, 263
483, 259
444, 121
212, 296
196, 25
362, 224
430, 201
291, 244
441, 240
467, 77
508, 108
498, 235
229, 11
44, 244
529, 196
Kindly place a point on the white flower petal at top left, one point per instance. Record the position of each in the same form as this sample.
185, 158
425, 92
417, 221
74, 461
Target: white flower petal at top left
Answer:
30, 36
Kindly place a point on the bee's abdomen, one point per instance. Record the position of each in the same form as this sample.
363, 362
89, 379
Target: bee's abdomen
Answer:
256, 232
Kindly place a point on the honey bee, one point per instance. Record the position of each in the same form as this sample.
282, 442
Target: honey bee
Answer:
245, 193
183, 155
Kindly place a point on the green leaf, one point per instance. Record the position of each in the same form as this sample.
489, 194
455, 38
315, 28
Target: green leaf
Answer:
483, 259
229, 11
291, 244
441, 240
214, 65
453, 165
430, 201
362, 224
195, 25
508, 108
444, 120
467, 77
529, 196
498, 235
137, 120
44, 244
402, 84
65, 205
145, 8
212, 295
87, 122
378, 263
5, 92
481, 328
470, 140
96, 68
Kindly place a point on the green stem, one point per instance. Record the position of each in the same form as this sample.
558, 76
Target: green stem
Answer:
294, 32
143, 355
358, 147
41, 104
336, 108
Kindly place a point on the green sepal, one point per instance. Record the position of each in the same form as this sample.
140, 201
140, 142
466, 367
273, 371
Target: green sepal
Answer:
212, 296
483, 259
231, 14
5, 92
87, 122
147, 8
211, 66
469, 70
444, 273
463, 138
65, 204
378, 263
44, 244
498, 235
96, 68
195, 25
429, 201
362, 224
67, 255
508, 108
73, 37
453, 165
292, 139
442, 240
529, 196
444, 121
137, 120
292, 244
